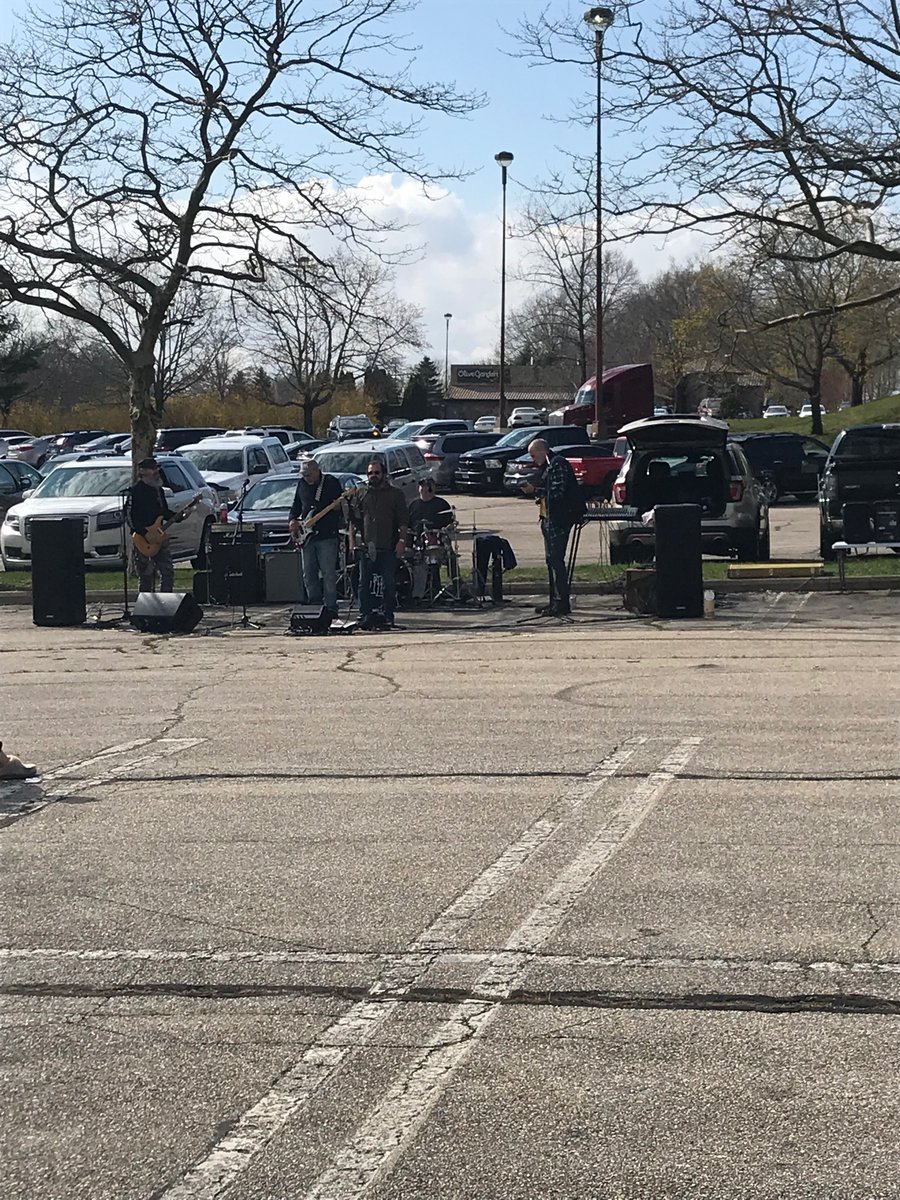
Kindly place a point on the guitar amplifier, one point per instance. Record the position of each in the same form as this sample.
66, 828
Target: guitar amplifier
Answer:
234, 574
283, 580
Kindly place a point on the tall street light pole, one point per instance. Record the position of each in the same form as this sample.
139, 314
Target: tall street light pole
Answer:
504, 158
447, 317
599, 20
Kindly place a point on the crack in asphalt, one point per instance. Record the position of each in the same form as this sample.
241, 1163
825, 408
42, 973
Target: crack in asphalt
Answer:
889, 775
839, 1004
877, 926
352, 666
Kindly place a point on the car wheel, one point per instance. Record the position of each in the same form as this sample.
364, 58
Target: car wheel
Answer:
199, 563
826, 538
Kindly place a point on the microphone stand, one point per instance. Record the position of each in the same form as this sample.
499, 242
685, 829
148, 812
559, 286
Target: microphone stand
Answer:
245, 622
126, 614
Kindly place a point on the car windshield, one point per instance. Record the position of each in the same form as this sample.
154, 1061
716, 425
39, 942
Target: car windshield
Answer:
352, 461
870, 443
271, 493
517, 437
229, 462
406, 431
81, 481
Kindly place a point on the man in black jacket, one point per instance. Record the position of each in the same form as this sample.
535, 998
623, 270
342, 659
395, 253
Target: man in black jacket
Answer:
556, 490
145, 503
380, 520
319, 555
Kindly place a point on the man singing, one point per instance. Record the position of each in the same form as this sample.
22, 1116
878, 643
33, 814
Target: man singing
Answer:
319, 554
380, 516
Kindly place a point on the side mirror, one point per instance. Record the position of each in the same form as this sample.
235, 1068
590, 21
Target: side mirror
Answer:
167, 491
28, 493
259, 469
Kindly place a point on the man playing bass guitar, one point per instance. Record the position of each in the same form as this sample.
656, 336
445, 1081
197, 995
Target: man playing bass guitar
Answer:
319, 549
145, 505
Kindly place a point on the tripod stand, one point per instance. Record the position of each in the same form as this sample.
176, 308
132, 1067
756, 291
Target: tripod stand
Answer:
238, 538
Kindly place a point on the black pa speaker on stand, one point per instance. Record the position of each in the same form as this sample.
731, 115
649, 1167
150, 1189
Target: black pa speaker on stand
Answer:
166, 612
57, 571
679, 560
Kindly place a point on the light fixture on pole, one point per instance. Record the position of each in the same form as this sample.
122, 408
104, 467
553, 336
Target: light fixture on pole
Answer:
447, 317
504, 158
599, 20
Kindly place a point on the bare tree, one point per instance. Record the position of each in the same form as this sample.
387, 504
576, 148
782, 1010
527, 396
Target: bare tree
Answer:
742, 115
561, 260
316, 322
145, 143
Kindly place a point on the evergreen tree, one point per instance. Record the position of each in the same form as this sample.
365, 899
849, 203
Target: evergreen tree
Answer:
423, 389
384, 392
18, 356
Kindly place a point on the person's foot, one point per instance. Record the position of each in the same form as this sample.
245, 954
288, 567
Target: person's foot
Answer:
559, 610
544, 610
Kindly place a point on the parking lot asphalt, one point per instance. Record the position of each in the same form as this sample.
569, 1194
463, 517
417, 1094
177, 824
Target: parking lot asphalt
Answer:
487, 907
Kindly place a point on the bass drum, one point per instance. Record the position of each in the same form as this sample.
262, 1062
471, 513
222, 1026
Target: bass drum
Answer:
404, 584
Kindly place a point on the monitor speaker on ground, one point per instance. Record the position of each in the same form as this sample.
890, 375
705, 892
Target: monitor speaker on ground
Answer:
57, 571
166, 612
857, 523
679, 560
310, 618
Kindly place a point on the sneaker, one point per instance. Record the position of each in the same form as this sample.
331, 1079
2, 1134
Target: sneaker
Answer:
544, 610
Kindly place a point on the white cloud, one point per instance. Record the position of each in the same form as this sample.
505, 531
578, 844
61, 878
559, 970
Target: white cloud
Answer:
457, 267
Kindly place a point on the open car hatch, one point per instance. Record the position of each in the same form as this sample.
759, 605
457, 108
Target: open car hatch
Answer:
681, 433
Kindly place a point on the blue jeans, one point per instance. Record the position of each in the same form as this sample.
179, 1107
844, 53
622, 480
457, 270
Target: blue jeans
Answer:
319, 557
556, 539
385, 565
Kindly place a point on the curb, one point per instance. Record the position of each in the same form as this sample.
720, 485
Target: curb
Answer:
871, 583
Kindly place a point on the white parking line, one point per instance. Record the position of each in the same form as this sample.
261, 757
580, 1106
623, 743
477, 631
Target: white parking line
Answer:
374, 958
396, 1119
214, 1174
33, 797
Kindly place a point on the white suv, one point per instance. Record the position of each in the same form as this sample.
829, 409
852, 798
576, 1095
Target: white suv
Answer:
229, 463
94, 490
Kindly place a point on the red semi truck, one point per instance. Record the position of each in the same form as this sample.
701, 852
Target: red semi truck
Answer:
627, 395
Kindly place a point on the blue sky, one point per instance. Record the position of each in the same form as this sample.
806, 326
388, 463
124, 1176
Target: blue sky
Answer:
458, 268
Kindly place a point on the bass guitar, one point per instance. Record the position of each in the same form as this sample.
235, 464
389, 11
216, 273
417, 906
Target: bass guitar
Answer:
155, 537
308, 525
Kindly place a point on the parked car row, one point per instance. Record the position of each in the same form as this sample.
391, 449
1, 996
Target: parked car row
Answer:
93, 490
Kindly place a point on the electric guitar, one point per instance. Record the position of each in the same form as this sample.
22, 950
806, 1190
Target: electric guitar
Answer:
308, 526
155, 537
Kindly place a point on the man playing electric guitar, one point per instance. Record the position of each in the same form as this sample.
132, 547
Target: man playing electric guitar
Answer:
319, 548
147, 510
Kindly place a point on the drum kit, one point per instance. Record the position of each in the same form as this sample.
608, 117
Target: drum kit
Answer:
419, 571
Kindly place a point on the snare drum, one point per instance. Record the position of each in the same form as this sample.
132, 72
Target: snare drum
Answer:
433, 547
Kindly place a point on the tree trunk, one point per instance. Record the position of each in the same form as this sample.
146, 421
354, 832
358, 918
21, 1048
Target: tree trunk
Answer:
856, 390
144, 422
815, 400
309, 408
